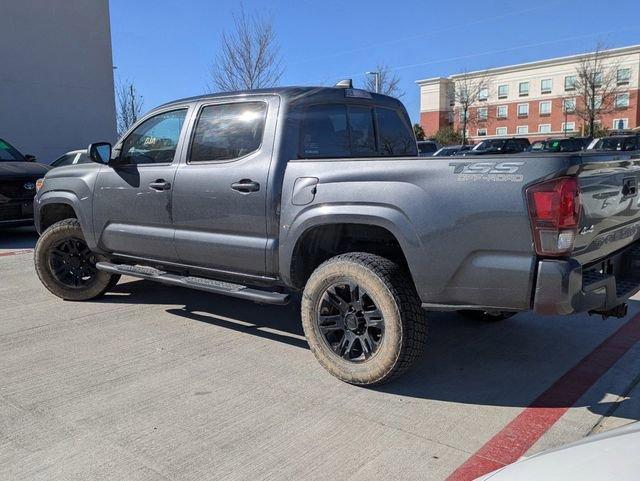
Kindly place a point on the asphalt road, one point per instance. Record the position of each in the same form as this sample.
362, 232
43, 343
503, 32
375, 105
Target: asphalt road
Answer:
159, 383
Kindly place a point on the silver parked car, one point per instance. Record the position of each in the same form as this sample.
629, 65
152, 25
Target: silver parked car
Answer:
609, 456
72, 158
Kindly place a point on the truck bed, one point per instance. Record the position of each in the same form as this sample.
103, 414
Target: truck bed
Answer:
464, 223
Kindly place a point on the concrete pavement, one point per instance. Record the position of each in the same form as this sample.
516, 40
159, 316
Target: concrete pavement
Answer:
153, 382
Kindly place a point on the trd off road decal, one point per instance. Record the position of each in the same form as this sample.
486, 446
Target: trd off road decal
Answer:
487, 171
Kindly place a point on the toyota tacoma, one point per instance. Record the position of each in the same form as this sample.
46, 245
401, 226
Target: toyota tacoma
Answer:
263, 193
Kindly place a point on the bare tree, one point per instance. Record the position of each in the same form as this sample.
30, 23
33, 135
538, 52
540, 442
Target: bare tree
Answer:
596, 86
129, 106
468, 90
249, 57
389, 82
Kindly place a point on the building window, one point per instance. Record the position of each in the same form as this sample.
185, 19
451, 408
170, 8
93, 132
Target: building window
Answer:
624, 75
569, 105
597, 102
482, 132
483, 94
523, 89
546, 85
503, 91
501, 131
620, 124
522, 129
544, 128
570, 82
502, 111
569, 127
483, 113
523, 110
622, 101
545, 107
597, 79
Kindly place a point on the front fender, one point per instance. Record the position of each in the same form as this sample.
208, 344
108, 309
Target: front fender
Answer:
81, 206
381, 215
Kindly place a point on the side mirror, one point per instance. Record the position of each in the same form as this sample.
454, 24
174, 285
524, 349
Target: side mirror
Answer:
30, 158
100, 152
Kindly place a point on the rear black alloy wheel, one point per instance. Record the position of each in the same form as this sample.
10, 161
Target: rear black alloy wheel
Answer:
350, 322
363, 318
72, 263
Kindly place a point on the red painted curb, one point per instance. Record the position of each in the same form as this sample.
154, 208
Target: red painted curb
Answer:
519, 435
16, 253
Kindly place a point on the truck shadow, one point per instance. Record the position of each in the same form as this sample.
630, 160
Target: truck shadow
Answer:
507, 363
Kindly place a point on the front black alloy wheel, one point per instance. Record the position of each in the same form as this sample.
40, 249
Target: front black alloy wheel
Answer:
67, 267
72, 263
350, 322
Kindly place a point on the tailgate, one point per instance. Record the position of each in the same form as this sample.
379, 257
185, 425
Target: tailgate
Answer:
610, 217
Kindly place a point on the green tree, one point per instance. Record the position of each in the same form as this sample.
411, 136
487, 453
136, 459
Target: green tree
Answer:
419, 131
448, 136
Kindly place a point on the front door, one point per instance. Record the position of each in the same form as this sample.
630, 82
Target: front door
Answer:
133, 195
220, 194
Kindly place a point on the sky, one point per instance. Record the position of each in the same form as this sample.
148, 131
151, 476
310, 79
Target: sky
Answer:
166, 47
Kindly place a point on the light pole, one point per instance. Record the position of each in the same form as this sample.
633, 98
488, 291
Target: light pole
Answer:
377, 80
566, 115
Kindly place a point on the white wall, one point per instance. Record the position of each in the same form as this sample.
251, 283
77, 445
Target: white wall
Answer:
56, 76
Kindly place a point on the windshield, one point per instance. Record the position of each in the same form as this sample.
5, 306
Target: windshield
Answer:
488, 145
9, 153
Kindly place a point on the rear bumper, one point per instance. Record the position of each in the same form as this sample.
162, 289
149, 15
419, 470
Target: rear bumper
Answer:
567, 287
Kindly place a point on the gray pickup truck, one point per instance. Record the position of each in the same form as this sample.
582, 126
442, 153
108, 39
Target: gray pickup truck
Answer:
260, 194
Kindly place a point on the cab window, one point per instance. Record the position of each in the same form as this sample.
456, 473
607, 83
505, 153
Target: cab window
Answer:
228, 131
155, 140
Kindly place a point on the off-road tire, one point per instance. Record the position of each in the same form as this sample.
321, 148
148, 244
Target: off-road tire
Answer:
391, 289
64, 229
486, 316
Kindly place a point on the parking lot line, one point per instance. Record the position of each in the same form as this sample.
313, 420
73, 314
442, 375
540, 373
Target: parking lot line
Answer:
515, 439
15, 253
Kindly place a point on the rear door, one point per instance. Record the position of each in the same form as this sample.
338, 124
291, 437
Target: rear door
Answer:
219, 198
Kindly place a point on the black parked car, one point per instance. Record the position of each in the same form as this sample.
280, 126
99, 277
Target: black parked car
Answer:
451, 150
499, 146
571, 144
617, 142
18, 175
426, 148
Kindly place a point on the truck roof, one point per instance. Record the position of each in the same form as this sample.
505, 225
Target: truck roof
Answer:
295, 93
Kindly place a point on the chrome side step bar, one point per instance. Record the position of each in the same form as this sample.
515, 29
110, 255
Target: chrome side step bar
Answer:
199, 283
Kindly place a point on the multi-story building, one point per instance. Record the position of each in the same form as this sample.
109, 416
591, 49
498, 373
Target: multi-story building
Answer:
56, 83
534, 100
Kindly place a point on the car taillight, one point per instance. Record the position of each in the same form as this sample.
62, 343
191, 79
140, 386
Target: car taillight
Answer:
554, 209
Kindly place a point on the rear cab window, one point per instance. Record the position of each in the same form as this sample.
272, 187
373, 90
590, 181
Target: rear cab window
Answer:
353, 131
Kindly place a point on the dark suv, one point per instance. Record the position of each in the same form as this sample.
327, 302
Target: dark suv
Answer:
18, 175
571, 144
499, 146
625, 143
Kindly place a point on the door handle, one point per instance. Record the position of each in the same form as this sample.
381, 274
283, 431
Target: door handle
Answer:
160, 185
245, 186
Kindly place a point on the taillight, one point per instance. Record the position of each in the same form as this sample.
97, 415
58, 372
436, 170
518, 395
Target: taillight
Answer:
554, 208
